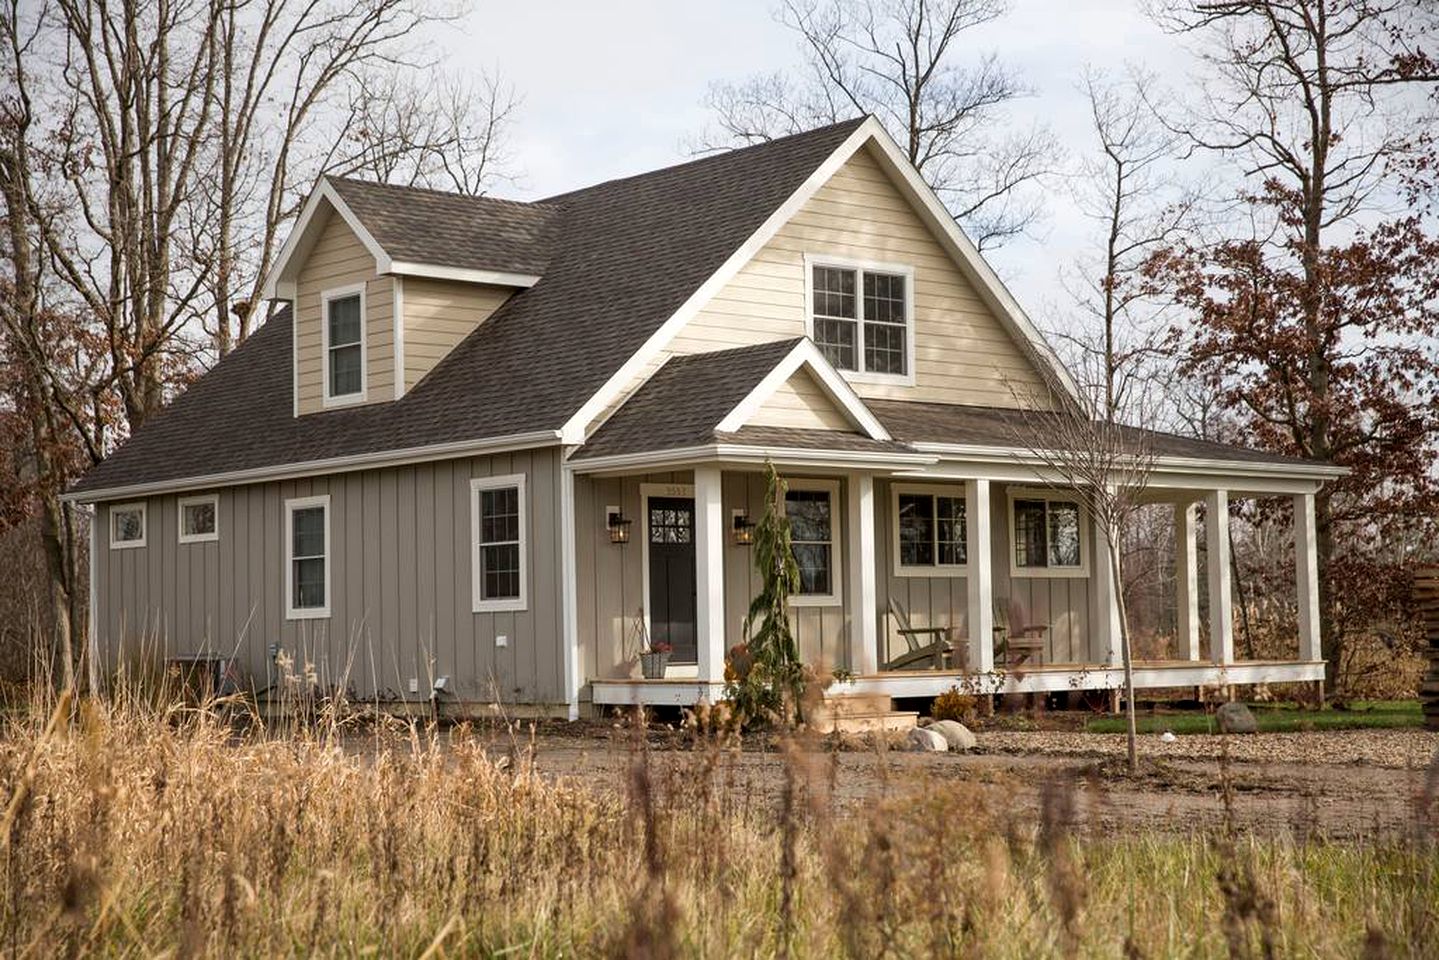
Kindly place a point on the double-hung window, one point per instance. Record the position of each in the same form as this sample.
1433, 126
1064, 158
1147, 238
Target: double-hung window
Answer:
307, 558
1046, 533
497, 528
861, 318
810, 508
344, 328
930, 537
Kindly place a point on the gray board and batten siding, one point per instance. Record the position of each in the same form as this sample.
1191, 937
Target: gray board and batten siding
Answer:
400, 581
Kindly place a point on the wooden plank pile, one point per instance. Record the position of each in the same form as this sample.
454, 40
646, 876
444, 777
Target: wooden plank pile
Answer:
1426, 590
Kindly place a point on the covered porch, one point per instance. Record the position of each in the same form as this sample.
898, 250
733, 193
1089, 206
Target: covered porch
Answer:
941, 540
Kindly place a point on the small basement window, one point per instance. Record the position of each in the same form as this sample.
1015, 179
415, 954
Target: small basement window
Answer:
307, 558
127, 525
498, 535
199, 519
344, 327
1047, 536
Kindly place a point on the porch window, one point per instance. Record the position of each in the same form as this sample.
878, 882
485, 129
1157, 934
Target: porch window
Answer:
1046, 534
930, 529
307, 558
861, 318
498, 528
344, 327
810, 509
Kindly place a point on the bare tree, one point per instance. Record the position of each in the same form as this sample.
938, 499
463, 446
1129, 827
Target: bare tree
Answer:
1106, 465
898, 59
1127, 187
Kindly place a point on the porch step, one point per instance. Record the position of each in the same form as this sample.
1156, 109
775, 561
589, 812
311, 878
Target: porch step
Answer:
861, 713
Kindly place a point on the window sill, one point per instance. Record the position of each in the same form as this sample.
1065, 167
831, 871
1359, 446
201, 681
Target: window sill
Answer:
815, 600
499, 606
1049, 573
347, 400
878, 379
318, 613
200, 538
126, 544
931, 572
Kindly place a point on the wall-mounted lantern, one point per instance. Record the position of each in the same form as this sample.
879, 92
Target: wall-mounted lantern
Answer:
742, 528
618, 525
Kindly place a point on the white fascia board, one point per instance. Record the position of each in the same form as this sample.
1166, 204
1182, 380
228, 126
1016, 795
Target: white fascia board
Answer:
750, 453
499, 278
806, 354
1307, 471
310, 468
574, 429
278, 284
970, 260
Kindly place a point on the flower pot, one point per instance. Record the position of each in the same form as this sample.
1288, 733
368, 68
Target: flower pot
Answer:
652, 665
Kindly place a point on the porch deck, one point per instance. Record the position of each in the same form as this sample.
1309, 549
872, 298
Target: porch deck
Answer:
1045, 678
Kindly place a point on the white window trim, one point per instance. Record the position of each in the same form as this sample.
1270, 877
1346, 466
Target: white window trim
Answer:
1079, 572
506, 604
339, 293
144, 525
957, 491
210, 498
291, 611
812, 260
835, 597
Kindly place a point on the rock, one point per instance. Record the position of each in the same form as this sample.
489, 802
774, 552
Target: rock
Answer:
1235, 718
1167, 737
956, 735
925, 740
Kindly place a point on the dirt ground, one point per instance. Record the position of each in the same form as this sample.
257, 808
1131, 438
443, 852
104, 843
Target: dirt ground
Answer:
1336, 784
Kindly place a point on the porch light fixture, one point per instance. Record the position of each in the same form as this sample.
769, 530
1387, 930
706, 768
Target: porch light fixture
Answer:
743, 528
618, 525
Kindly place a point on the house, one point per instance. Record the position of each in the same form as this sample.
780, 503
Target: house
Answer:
485, 440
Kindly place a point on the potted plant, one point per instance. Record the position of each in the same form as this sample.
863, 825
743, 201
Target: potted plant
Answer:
654, 660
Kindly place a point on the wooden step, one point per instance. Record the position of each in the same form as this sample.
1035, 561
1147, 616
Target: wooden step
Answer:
849, 704
892, 721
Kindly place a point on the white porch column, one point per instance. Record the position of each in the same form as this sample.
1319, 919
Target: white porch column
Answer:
1306, 577
569, 593
1221, 601
1186, 580
709, 575
978, 543
863, 595
1106, 600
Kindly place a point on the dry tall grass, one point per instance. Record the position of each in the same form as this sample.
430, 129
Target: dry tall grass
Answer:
134, 829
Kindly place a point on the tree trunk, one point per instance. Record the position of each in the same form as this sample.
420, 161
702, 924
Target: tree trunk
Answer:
58, 594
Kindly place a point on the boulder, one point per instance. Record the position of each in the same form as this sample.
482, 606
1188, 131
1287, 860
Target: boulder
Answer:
925, 740
956, 735
1235, 718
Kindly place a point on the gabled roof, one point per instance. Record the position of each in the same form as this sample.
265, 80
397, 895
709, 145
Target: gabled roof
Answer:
431, 227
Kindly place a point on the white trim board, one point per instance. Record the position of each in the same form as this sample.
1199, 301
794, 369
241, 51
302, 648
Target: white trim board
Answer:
832, 382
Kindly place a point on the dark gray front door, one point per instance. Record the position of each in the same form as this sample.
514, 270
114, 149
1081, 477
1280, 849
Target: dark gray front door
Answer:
672, 574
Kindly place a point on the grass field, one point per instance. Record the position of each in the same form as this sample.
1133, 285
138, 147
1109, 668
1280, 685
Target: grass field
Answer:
1275, 718
134, 830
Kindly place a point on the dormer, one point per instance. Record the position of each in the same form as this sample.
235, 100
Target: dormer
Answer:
385, 281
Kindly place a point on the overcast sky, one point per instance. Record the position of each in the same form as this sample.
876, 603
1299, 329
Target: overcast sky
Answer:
614, 87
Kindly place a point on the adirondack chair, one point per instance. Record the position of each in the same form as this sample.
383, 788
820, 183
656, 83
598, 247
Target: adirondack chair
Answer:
928, 646
1016, 642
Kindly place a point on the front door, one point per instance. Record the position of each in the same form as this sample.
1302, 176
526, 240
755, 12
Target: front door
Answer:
671, 549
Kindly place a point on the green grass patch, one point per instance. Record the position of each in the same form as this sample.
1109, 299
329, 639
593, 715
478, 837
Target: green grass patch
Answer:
1275, 718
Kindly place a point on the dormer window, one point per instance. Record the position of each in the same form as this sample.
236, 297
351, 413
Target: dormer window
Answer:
344, 332
862, 318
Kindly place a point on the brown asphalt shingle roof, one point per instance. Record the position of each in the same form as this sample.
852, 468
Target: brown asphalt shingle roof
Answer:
623, 256
451, 230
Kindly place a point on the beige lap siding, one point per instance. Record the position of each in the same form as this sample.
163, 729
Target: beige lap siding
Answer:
800, 402
400, 589
438, 314
963, 353
339, 259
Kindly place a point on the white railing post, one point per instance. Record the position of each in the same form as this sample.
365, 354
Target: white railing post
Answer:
1186, 580
709, 575
1106, 599
863, 642
981, 576
1221, 601
1306, 577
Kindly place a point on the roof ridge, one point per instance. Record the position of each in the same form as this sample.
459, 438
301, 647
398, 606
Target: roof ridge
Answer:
434, 191
853, 122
